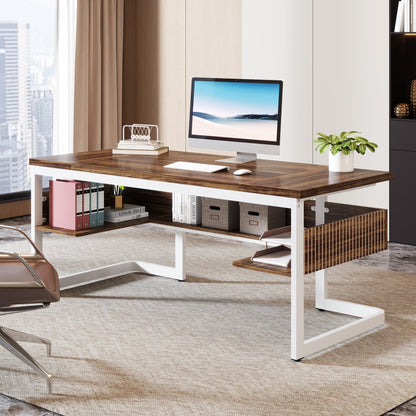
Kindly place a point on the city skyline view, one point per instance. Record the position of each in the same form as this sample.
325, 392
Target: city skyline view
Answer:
27, 45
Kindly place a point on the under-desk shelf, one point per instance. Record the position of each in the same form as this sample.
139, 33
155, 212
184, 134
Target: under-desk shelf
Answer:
161, 219
350, 233
246, 263
108, 226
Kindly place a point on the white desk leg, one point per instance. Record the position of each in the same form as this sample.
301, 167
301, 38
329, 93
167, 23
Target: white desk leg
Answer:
180, 242
321, 286
297, 280
36, 209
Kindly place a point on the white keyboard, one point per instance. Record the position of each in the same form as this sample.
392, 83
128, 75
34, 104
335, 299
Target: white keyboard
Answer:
197, 167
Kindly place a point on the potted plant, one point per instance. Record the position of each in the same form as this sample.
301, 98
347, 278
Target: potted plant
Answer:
342, 148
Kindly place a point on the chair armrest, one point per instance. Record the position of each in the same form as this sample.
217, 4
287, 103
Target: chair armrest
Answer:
8, 227
37, 282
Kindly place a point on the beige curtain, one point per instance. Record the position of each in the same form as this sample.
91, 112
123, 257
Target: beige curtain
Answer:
98, 74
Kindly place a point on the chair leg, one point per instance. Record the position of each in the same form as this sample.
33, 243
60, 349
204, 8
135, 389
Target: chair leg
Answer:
11, 345
25, 337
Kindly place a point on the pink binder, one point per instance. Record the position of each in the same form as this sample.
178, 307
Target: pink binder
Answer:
66, 204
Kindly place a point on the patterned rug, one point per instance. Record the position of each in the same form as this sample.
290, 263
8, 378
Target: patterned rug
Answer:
215, 345
11, 406
406, 409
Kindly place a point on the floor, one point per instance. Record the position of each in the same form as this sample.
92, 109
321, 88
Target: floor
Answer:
398, 258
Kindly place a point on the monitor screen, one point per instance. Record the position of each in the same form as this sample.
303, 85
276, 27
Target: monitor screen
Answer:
236, 114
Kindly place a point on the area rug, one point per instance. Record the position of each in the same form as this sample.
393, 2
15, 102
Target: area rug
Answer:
217, 344
10, 406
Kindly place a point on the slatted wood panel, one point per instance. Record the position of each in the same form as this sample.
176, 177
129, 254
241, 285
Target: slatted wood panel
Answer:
337, 242
330, 244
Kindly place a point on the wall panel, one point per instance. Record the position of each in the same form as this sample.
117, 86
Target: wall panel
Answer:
213, 41
277, 44
351, 79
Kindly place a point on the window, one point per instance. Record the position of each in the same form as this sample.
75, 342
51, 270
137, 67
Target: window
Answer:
27, 87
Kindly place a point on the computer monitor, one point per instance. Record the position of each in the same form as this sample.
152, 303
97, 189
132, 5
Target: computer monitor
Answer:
241, 115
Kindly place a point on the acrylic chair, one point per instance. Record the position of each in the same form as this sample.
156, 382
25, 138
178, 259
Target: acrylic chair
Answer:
27, 282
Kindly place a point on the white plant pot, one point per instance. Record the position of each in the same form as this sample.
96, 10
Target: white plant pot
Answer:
341, 163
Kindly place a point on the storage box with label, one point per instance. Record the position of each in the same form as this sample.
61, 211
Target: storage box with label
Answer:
255, 219
220, 214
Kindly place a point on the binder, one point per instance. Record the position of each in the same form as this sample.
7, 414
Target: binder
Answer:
93, 205
100, 201
66, 204
86, 205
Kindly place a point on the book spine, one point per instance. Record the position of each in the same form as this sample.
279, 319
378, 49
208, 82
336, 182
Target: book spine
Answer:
181, 205
86, 205
93, 205
406, 15
413, 10
51, 201
196, 210
187, 209
125, 211
135, 216
80, 206
399, 25
175, 207
100, 200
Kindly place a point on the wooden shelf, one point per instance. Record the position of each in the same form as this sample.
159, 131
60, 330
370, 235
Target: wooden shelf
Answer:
403, 33
357, 235
108, 226
246, 263
161, 219
405, 120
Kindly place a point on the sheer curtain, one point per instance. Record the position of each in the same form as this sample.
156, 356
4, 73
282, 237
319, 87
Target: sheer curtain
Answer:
64, 76
98, 74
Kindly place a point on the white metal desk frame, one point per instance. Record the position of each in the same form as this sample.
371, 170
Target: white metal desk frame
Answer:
369, 317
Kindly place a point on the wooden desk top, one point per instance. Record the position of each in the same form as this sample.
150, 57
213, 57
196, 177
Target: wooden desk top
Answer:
294, 180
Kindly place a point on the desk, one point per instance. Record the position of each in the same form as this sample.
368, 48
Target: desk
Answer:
272, 183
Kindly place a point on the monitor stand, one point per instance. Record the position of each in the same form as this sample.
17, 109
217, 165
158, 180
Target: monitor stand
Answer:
240, 158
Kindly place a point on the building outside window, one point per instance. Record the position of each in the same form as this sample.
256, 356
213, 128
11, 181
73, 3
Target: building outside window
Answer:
27, 87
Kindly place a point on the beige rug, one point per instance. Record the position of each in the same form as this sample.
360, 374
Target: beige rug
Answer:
217, 344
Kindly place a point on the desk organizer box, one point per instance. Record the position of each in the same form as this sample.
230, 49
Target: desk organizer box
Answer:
220, 214
255, 219
350, 232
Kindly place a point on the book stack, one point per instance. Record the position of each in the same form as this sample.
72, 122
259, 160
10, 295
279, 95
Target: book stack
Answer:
186, 209
75, 205
140, 147
405, 16
128, 212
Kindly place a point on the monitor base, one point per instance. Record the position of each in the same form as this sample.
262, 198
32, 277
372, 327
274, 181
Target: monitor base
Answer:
240, 158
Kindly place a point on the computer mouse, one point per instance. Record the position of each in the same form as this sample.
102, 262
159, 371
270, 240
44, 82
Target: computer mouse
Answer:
242, 172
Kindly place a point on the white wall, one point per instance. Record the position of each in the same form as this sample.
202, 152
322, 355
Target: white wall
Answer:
333, 58
213, 45
331, 54
277, 44
351, 82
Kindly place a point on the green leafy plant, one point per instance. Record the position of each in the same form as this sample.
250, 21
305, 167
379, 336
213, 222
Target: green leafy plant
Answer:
346, 142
